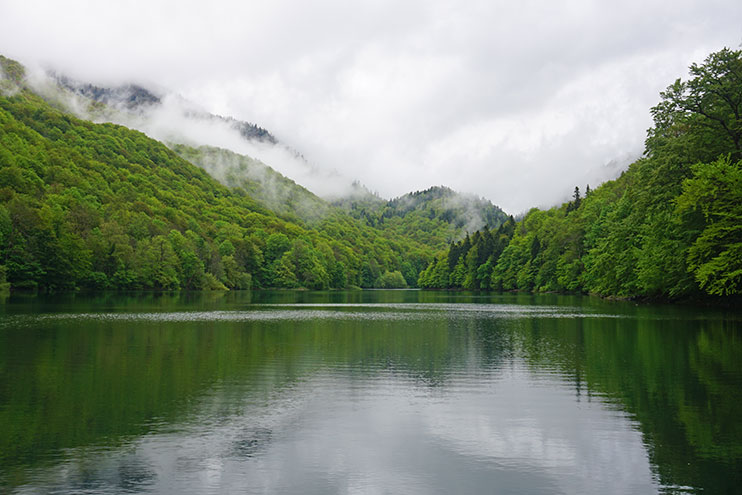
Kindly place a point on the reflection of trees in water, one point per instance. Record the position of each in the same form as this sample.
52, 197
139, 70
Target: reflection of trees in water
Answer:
679, 378
71, 383
76, 383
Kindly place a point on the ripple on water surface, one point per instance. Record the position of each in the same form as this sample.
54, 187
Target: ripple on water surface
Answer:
367, 398
299, 312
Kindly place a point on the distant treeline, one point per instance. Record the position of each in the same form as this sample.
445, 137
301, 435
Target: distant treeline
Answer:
670, 227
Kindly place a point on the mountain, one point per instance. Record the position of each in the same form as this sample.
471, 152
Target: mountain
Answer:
86, 205
171, 119
130, 96
270, 188
186, 128
372, 241
462, 211
136, 98
435, 217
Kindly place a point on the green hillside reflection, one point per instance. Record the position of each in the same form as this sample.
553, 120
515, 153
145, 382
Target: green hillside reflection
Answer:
100, 371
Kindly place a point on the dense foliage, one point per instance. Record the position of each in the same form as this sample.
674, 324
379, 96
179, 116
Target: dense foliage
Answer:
669, 227
469, 263
102, 206
294, 203
434, 217
276, 192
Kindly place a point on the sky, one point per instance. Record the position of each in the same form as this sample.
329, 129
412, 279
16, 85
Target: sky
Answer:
516, 101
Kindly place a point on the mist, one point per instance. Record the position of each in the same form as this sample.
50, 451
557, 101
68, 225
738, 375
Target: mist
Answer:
171, 123
174, 120
518, 103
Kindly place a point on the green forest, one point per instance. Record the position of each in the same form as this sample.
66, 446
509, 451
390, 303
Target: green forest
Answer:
670, 227
435, 216
100, 206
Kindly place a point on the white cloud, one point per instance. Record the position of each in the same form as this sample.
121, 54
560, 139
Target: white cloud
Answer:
516, 101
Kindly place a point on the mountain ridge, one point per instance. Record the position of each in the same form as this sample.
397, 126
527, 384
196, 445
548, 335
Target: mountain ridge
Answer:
412, 226
86, 205
135, 97
435, 216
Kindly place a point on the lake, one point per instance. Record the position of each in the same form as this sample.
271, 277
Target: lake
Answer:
400, 392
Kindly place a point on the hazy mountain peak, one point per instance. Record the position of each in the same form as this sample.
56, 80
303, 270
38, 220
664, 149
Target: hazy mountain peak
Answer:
129, 96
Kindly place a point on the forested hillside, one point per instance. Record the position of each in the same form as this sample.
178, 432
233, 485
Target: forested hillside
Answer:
669, 227
273, 190
435, 216
102, 206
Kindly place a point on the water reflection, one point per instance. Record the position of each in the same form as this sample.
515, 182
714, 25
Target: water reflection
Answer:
383, 434
385, 392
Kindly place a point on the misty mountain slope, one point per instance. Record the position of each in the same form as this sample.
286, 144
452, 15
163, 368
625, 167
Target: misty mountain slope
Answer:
360, 202
292, 202
167, 117
276, 175
278, 193
137, 105
85, 205
136, 98
377, 225
435, 217
461, 210
129, 96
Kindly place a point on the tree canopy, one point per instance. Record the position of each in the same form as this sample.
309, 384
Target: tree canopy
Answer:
669, 227
102, 206
86, 205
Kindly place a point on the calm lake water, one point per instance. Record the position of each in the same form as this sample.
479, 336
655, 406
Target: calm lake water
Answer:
400, 392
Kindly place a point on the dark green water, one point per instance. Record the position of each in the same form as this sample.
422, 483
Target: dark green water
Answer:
367, 392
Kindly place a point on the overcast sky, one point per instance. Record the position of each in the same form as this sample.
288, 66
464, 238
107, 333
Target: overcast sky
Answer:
515, 101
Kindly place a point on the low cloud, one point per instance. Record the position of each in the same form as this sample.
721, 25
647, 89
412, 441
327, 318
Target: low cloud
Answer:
515, 102
169, 118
